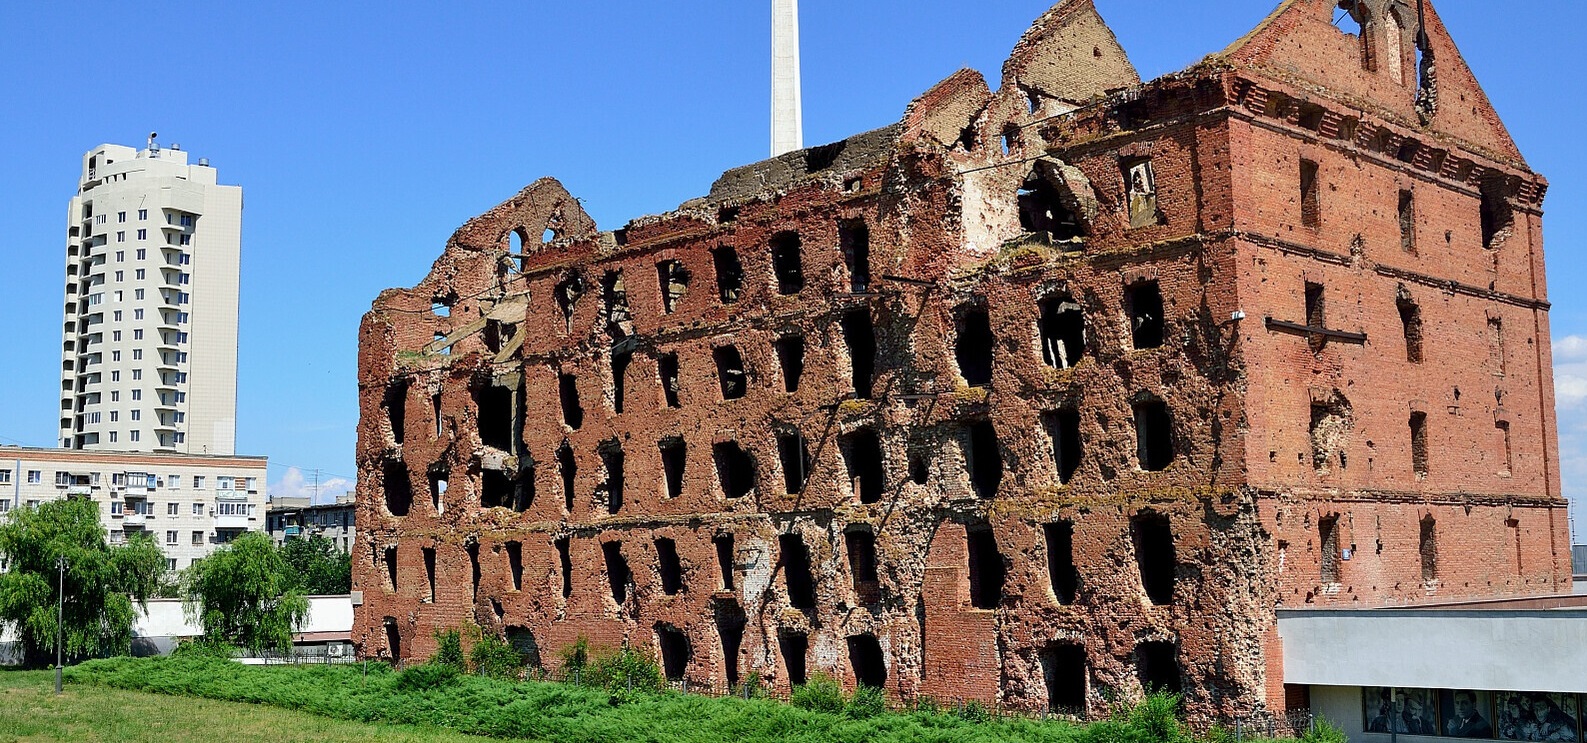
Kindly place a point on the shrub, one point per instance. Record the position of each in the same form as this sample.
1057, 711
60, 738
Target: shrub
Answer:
626, 669
425, 677
866, 703
448, 649
1156, 718
752, 687
201, 647
1323, 731
577, 655
492, 657
972, 711
820, 694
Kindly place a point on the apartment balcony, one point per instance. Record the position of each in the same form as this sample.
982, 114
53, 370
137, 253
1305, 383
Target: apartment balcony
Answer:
79, 490
134, 520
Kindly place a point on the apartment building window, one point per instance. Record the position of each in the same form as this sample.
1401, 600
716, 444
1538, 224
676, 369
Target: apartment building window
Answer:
136, 293
140, 274
34, 476
137, 394
120, 275
137, 354
115, 335
121, 256
5, 505
224, 483
143, 234
115, 396
112, 437
116, 315
136, 315
198, 538
170, 563
143, 214
143, 253
115, 416
137, 335
179, 437
170, 537
131, 435
115, 508
115, 375
115, 356
198, 482
175, 481
121, 216
198, 509
187, 220
5, 477
252, 484
173, 509
121, 236
137, 374
186, 240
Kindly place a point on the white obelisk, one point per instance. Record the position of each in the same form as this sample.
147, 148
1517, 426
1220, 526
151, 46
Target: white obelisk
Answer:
787, 119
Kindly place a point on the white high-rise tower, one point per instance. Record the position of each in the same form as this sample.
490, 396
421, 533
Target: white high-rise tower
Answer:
787, 117
149, 358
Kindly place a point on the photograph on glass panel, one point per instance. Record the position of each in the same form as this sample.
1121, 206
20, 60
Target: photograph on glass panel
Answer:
1406, 711
1466, 713
1537, 716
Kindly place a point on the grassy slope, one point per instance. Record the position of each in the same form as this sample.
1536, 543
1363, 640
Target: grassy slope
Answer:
30, 711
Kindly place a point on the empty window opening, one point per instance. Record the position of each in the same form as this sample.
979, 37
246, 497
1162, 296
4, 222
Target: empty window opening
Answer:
919, 468
435, 411
1411, 323
396, 404
735, 468
438, 484
1496, 215
1063, 667
1429, 548
1140, 180
794, 454
1010, 138
1353, 19
520, 414
393, 638
729, 274
1061, 560
1496, 344
1063, 332
472, 549
787, 263
568, 465
390, 556
1041, 210
668, 566
730, 372
727, 214
618, 576
1316, 315
621, 358
1328, 549
1407, 222
523, 640
516, 241
399, 491
1509, 450
859, 334
494, 333
1419, 444
794, 646
984, 458
495, 489
614, 301
973, 350
572, 411
791, 358
567, 293
523, 495
515, 564
674, 454
675, 652
612, 484
1154, 440
1158, 666
862, 453
495, 416
1310, 198
865, 657
1154, 555
565, 562
1143, 302
798, 579
730, 628
667, 365
1311, 116
674, 279
724, 558
429, 570
987, 572
854, 237
861, 544
1063, 430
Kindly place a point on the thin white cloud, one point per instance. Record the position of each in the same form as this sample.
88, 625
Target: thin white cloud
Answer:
293, 484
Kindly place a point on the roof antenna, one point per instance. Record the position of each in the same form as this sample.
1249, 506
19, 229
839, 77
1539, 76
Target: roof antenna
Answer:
787, 116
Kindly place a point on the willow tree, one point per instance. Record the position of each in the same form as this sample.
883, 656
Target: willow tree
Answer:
244, 594
102, 582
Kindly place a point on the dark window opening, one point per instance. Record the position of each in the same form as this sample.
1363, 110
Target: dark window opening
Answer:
438, 485
674, 454
1154, 556
668, 566
1419, 443
730, 372
495, 489
572, 411
1496, 215
1061, 571
565, 561
1041, 210
674, 280
515, 564
987, 572
735, 468
724, 558
861, 545
973, 351
568, 465
520, 415
524, 486
396, 404
1144, 302
1411, 323
854, 237
984, 459
614, 299
787, 263
1429, 548
618, 576
1063, 332
393, 638
621, 358
390, 555
612, 486
435, 410
667, 364
1509, 450
675, 653
1063, 430
727, 214
862, 452
1315, 306
794, 646
795, 559
1154, 438
1328, 549
1407, 222
429, 570
865, 656
730, 628
494, 333
1158, 666
729, 274
1310, 198
1140, 180
567, 292
522, 639
791, 358
919, 468
495, 409
472, 548
1311, 116
859, 334
795, 458
399, 491
1063, 667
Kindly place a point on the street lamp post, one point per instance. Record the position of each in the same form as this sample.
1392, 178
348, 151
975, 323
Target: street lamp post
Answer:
60, 614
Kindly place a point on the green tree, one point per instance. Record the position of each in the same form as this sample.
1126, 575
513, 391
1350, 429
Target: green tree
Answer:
102, 582
244, 594
319, 567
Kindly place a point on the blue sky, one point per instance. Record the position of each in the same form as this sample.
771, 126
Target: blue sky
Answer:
365, 133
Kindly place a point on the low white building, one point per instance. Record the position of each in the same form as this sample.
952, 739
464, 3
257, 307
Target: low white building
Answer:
188, 503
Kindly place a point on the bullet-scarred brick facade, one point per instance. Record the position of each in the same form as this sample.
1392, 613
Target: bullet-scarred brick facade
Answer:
1042, 395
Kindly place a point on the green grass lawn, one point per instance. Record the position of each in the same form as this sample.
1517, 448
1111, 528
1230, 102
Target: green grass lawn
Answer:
30, 711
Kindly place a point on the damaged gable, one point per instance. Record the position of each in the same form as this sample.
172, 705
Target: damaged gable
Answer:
1070, 55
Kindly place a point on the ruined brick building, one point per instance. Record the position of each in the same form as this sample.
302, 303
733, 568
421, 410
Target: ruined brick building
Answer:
1039, 395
